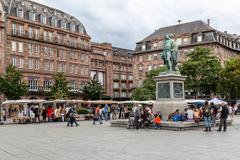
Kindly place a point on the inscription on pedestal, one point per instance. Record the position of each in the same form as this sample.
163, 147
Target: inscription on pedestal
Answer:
163, 90
178, 90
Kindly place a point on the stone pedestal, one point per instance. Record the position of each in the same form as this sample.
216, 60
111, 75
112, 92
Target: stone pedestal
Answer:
170, 93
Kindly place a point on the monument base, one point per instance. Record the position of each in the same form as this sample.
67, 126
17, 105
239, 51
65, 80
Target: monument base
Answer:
170, 94
168, 107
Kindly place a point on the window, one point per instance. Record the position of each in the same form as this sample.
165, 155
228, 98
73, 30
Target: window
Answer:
50, 36
46, 66
45, 35
63, 24
185, 41
116, 85
14, 46
179, 41
124, 86
36, 33
154, 45
149, 68
101, 77
21, 63
149, 57
73, 27
81, 30
140, 68
54, 21
130, 77
43, 19
14, 61
124, 94
50, 52
20, 47
30, 32
199, 38
37, 50
30, 49
32, 16
33, 84
21, 30
47, 85
14, 29
36, 64
123, 77
116, 76
155, 56
51, 65
143, 47
93, 75
46, 51
20, 12
30, 63
116, 94
140, 58
73, 86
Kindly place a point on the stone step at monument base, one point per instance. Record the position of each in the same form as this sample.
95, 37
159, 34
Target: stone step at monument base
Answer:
168, 125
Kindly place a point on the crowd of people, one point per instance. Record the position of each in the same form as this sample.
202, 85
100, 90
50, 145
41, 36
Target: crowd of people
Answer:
208, 113
138, 116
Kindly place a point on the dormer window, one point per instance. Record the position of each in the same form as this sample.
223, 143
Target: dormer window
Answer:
199, 38
20, 12
43, 19
81, 30
73, 26
32, 15
63, 24
54, 21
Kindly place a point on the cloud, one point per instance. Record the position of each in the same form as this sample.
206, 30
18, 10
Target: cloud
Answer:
124, 22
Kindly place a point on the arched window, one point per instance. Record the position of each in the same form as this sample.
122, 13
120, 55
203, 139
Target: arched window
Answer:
54, 21
20, 12
73, 26
63, 24
31, 15
81, 29
43, 19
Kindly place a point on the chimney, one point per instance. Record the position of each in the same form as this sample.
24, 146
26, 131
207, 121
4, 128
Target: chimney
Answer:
208, 22
179, 21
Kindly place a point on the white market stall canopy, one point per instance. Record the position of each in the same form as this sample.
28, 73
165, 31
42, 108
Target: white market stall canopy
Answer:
217, 101
23, 101
102, 102
137, 102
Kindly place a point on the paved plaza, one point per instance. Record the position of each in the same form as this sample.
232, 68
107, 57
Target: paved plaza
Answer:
55, 141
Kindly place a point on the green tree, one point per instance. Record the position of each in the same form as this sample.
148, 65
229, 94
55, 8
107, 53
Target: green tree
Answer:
202, 70
11, 85
148, 90
60, 88
93, 90
229, 83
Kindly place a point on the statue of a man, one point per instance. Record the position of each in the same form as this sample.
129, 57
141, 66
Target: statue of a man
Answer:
170, 53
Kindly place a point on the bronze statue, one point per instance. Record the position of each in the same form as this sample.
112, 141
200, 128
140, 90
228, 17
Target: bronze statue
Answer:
170, 53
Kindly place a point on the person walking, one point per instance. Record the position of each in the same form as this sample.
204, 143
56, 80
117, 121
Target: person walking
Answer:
214, 112
72, 117
223, 118
105, 110
207, 116
137, 115
97, 115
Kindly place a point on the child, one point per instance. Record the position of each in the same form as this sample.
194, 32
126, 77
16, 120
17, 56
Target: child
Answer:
157, 121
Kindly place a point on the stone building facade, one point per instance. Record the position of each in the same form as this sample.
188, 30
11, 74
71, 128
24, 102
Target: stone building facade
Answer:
187, 36
40, 41
113, 67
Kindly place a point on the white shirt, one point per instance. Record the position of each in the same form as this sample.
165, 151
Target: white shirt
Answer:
189, 114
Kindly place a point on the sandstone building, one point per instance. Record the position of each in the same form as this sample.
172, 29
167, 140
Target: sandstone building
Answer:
187, 36
40, 41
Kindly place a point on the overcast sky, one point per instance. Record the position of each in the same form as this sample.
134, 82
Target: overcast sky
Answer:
124, 22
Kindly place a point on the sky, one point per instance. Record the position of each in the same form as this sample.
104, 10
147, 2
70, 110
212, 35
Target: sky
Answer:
125, 22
